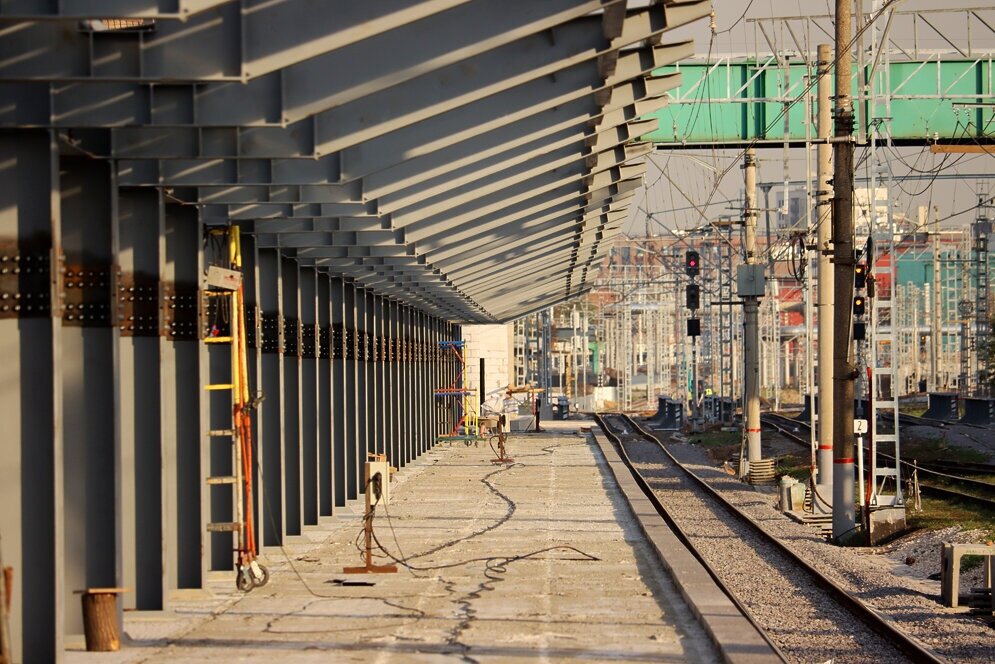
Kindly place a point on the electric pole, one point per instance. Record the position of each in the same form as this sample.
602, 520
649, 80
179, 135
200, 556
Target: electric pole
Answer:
844, 373
936, 332
751, 309
824, 301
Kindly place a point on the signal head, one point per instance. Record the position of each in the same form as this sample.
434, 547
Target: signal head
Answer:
692, 263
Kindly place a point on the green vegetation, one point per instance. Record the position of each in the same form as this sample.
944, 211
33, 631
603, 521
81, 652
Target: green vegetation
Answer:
717, 438
936, 448
912, 409
796, 466
937, 514
720, 445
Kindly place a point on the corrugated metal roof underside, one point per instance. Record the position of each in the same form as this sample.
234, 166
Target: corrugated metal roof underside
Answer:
470, 158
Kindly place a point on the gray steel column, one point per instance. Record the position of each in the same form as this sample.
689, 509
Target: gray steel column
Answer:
183, 395
367, 434
392, 404
270, 412
140, 259
293, 458
31, 455
326, 395
424, 392
355, 388
401, 399
431, 405
438, 379
389, 385
371, 401
309, 394
414, 392
89, 388
342, 417
431, 380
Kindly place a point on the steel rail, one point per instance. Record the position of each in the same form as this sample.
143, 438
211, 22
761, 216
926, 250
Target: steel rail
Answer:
874, 620
681, 535
937, 467
931, 422
925, 487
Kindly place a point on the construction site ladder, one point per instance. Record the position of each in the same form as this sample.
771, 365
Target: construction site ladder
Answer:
224, 295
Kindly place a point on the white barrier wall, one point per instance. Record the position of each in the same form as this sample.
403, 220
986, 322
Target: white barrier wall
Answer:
494, 344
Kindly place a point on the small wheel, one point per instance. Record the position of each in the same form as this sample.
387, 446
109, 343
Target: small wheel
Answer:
243, 580
259, 582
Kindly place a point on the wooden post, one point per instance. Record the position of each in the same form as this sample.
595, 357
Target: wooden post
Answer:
6, 590
100, 619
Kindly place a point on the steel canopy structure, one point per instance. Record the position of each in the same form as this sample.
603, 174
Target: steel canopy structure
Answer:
396, 169
493, 115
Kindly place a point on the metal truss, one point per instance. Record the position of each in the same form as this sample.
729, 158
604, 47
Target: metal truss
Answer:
930, 81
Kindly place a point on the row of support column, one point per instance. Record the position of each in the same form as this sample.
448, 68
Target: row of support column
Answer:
106, 453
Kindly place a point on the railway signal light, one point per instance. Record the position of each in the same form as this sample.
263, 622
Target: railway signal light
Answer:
692, 293
859, 331
694, 327
692, 263
860, 276
859, 305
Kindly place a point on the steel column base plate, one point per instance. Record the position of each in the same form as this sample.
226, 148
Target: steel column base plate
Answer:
371, 569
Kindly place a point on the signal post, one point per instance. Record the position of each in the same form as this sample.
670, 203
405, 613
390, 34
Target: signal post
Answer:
692, 293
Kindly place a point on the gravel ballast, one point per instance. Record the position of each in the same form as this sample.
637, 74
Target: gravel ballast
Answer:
880, 580
800, 618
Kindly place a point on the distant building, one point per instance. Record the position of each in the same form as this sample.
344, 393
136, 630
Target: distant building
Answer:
795, 214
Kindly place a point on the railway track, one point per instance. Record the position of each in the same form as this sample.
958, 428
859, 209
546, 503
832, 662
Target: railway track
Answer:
809, 616
914, 420
976, 492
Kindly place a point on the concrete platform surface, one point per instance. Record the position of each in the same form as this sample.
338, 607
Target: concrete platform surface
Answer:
539, 561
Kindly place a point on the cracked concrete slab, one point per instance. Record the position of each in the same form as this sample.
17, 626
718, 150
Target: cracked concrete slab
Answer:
540, 560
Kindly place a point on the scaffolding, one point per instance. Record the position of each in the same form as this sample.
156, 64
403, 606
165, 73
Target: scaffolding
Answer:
980, 230
460, 399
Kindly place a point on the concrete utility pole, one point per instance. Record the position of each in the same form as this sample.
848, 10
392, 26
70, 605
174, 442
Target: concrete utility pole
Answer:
935, 332
844, 509
751, 309
824, 301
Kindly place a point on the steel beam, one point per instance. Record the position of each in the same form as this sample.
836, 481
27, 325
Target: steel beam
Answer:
309, 369
293, 459
31, 450
231, 41
326, 396
271, 410
140, 225
90, 391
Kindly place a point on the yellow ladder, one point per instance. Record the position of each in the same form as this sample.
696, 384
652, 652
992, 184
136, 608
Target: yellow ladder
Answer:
238, 392
249, 573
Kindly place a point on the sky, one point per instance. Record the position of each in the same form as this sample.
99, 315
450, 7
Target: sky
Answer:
679, 183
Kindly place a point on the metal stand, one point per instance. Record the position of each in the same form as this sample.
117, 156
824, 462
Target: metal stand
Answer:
377, 481
502, 455
369, 567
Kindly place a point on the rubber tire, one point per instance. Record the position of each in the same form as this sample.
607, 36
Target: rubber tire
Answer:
262, 582
243, 581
